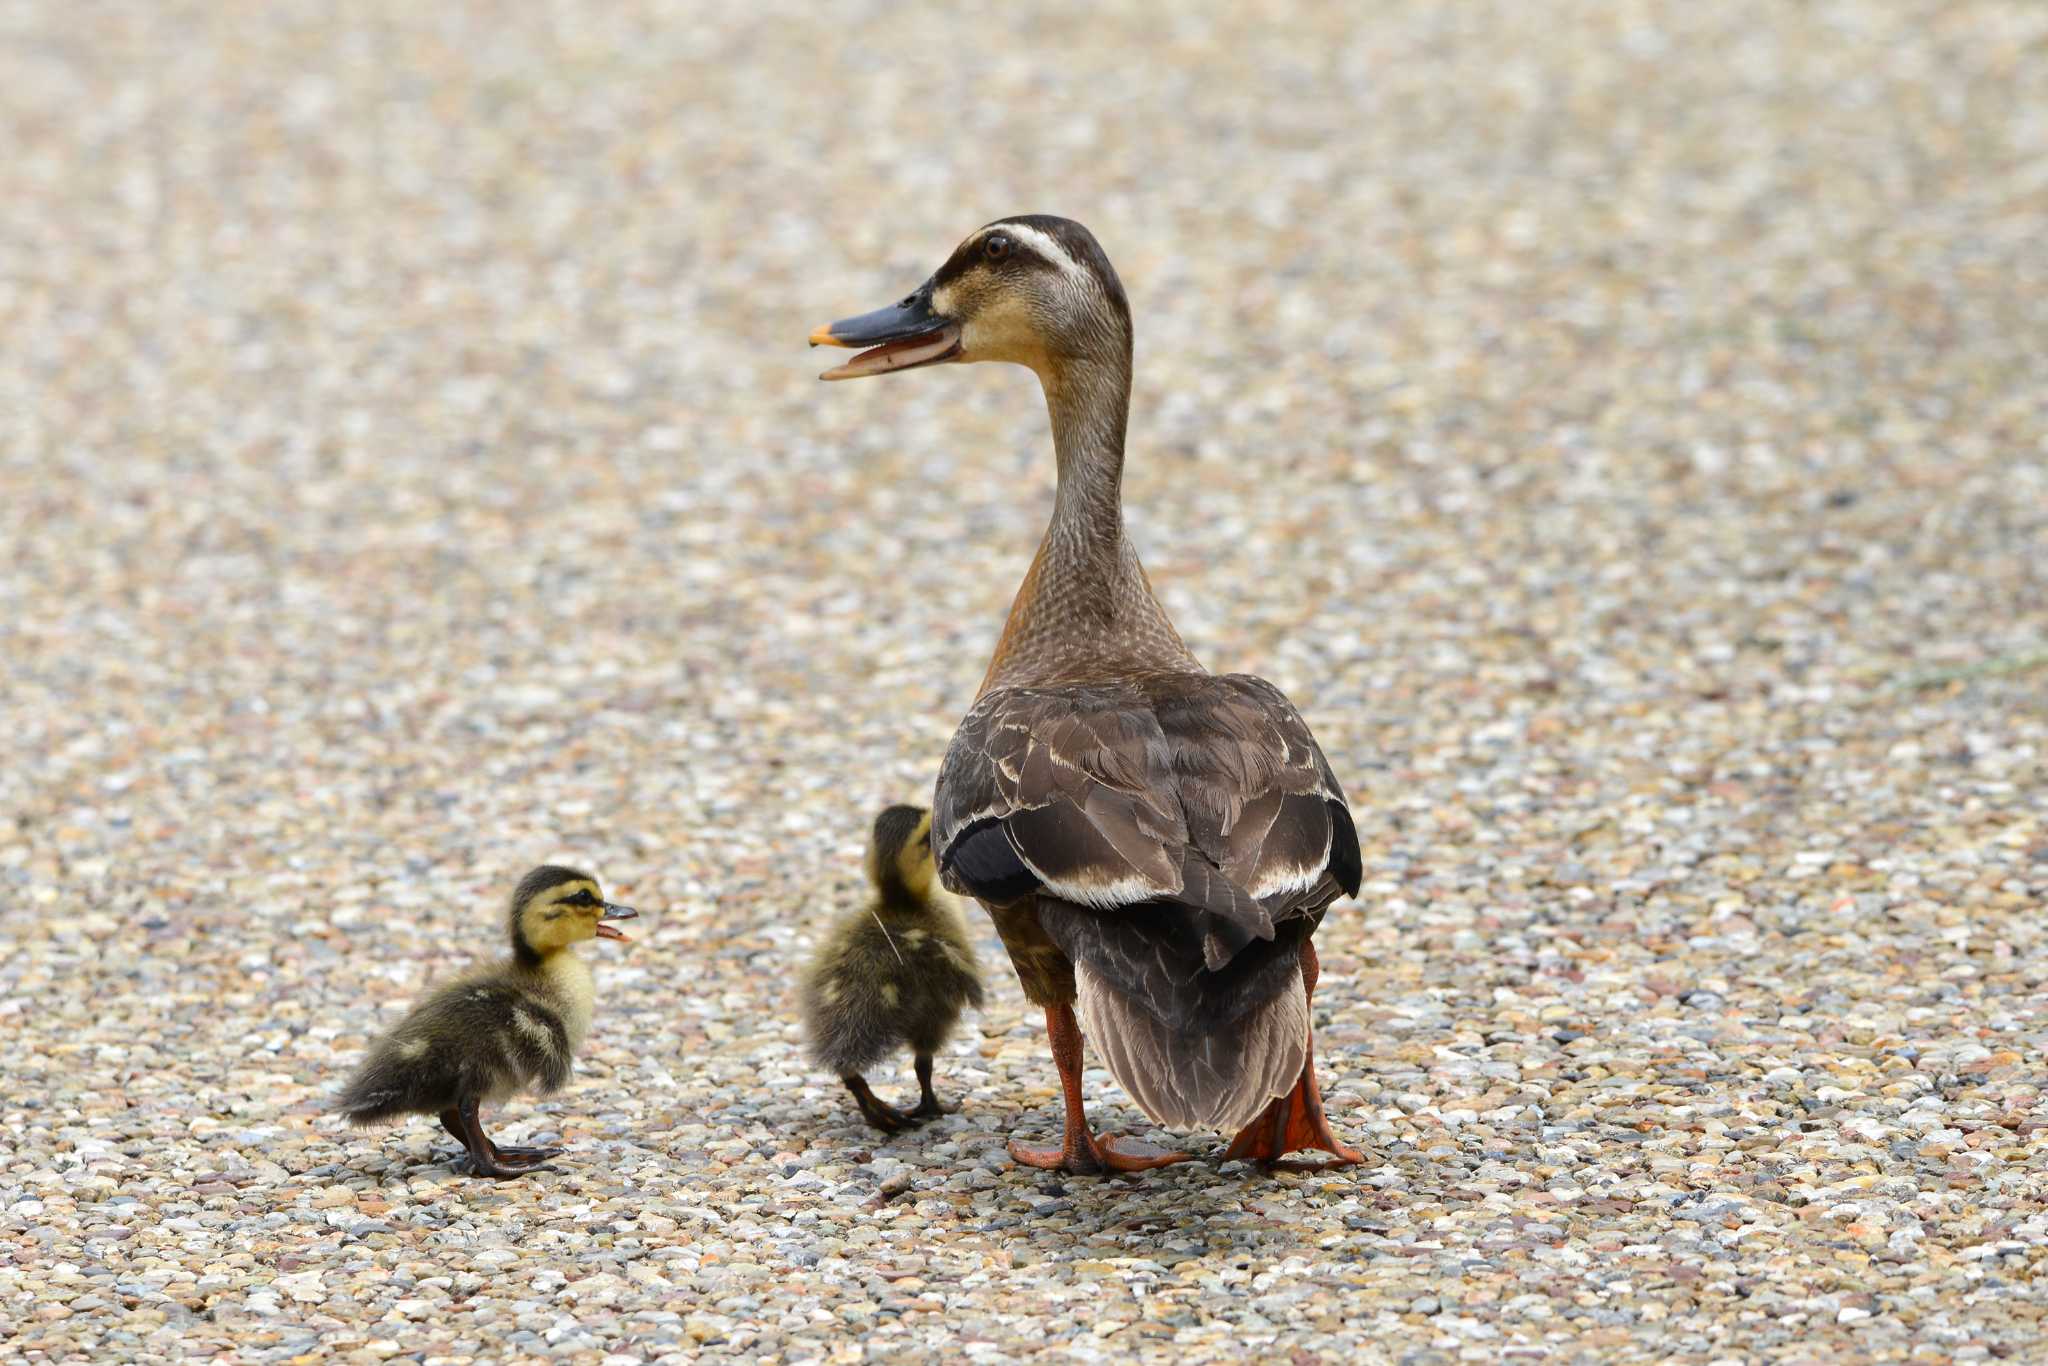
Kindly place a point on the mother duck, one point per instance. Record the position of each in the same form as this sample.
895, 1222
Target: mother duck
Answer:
1155, 843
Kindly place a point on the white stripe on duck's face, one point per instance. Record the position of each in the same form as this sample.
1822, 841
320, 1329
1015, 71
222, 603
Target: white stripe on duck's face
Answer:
1043, 244
564, 914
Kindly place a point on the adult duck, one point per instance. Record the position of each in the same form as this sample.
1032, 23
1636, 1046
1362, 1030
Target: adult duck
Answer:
1155, 843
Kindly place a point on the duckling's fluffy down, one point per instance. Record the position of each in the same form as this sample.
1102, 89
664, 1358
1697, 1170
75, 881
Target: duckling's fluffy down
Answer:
869, 990
479, 1039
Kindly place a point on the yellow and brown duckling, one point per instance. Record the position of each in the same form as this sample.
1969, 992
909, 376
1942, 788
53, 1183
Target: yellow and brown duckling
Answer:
895, 972
497, 1032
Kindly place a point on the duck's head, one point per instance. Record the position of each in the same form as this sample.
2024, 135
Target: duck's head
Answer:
555, 907
1034, 290
900, 854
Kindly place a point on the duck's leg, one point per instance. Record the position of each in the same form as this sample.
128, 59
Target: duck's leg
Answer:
485, 1157
929, 1105
1295, 1120
874, 1109
1081, 1151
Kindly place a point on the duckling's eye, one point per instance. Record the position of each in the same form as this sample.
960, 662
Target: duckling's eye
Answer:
995, 247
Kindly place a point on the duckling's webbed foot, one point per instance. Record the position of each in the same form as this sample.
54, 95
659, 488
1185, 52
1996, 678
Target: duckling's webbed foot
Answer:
877, 1111
485, 1157
929, 1106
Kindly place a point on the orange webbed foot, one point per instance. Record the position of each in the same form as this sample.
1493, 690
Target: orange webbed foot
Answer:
1097, 1155
1293, 1122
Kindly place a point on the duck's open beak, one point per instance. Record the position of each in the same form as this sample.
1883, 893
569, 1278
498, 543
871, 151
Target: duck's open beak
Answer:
903, 336
612, 912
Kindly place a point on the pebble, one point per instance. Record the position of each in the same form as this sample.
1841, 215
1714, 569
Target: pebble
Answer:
1618, 428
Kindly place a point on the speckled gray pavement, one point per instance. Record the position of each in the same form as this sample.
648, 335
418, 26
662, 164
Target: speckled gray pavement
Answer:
1620, 428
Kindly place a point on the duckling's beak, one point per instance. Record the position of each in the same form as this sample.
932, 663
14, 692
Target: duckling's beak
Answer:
612, 912
904, 335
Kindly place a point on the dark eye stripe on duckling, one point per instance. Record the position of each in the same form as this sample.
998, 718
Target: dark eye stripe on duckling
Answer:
543, 880
582, 899
547, 878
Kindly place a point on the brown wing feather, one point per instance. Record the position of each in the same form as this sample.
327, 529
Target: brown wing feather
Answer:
1207, 791
1255, 786
1166, 845
1077, 779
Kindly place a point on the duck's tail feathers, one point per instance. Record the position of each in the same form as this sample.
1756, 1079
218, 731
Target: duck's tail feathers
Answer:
1197, 1080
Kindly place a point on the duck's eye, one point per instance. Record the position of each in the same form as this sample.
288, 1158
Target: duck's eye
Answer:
995, 247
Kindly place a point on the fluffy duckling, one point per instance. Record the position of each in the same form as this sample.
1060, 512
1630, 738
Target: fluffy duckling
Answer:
896, 971
506, 1029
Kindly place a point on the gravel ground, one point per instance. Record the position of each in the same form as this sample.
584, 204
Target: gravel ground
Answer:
1620, 428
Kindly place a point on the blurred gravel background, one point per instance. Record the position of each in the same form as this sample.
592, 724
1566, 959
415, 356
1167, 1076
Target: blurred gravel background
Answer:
1620, 428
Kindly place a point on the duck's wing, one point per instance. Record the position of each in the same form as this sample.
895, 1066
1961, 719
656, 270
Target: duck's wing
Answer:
1058, 789
1257, 792
1188, 790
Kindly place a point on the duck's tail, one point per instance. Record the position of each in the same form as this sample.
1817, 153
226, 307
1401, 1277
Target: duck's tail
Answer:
1197, 1079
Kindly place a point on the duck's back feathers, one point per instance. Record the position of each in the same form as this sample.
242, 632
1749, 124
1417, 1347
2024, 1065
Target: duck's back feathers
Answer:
479, 1039
1180, 834
1204, 792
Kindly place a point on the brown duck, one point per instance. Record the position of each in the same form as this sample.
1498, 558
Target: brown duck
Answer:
1155, 843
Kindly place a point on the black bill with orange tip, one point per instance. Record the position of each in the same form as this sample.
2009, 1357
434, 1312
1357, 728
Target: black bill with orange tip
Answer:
902, 336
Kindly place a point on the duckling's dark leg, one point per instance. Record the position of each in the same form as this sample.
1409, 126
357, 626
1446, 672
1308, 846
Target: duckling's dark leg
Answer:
485, 1156
929, 1104
874, 1109
451, 1120
1080, 1151
1295, 1120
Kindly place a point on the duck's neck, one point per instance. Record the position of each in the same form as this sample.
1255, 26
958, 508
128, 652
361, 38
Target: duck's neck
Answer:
1086, 611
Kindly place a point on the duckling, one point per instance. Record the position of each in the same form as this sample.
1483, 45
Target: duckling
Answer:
897, 971
487, 1036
